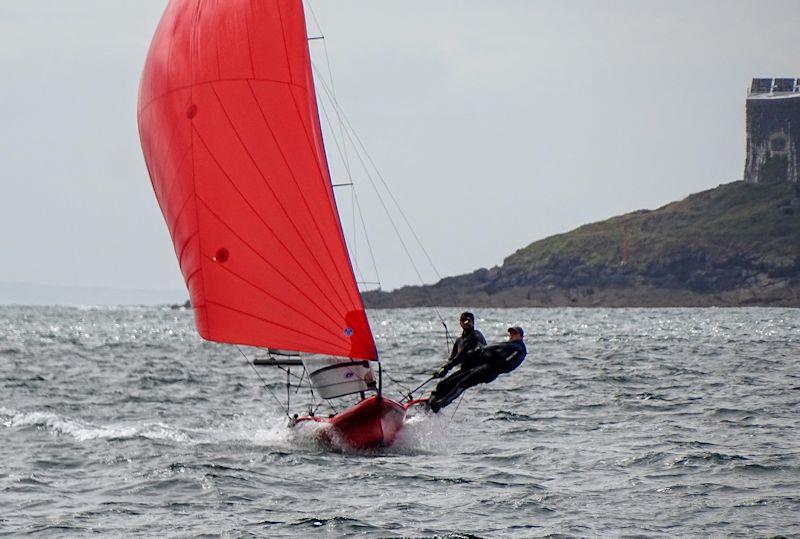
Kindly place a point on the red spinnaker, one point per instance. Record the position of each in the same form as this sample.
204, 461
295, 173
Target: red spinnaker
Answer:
230, 132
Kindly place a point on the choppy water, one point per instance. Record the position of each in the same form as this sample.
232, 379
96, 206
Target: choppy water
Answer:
678, 422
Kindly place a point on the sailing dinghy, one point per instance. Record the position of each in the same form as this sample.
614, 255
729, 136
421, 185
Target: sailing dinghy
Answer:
230, 132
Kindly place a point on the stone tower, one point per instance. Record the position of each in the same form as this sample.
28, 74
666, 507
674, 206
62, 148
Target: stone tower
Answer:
773, 131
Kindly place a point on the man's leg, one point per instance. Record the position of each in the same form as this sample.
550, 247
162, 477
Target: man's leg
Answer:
447, 384
461, 382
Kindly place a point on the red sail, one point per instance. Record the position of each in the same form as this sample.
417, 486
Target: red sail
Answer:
230, 132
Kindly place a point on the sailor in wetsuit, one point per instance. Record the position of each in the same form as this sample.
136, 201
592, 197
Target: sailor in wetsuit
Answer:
470, 339
479, 366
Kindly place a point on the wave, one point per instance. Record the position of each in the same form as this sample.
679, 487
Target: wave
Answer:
422, 433
84, 431
706, 457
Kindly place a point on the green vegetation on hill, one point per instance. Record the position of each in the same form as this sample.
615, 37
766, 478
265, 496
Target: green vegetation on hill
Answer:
734, 218
737, 244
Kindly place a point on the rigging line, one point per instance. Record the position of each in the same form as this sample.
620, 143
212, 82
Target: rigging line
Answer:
397, 232
345, 156
388, 214
332, 406
289, 372
314, 405
336, 142
403, 387
247, 360
397, 204
366, 237
343, 116
291, 172
355, 230
339, 146
380, 198
456, 410
300, 383
322, 167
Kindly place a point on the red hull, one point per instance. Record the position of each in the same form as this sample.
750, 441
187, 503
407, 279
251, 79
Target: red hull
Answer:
373, 422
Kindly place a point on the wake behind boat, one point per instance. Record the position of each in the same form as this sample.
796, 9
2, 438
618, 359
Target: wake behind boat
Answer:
231, 136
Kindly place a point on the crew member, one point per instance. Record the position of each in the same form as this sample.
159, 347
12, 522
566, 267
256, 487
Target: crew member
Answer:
479, 366
470, 339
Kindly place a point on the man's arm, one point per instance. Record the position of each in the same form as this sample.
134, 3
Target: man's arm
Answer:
457, 358
455, 349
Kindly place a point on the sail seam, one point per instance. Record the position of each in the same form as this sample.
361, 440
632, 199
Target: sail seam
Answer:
277, 299
285, 41
342, 302
193, 234
283, 276
172, 140
345, 302
193, 38
150, 103
190, 277
249, 43
150, 172
175, 182
186, 243
333, 203
171, 44
250, 315
277, 238
277, 199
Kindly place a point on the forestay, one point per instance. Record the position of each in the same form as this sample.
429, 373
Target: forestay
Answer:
230, 131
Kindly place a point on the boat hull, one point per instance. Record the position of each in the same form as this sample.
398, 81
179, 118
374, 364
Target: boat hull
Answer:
373, 422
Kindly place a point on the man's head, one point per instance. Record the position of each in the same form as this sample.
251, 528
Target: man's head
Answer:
515, 333
467, 320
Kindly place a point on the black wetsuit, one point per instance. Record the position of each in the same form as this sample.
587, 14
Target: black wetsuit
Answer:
478, 367
468, 341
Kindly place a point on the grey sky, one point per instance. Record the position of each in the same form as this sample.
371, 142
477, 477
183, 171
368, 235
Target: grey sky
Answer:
495, 122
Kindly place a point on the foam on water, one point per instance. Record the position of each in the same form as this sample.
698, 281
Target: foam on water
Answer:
635, 422
422, 432
83, 431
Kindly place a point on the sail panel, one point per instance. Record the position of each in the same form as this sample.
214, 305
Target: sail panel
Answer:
230, 133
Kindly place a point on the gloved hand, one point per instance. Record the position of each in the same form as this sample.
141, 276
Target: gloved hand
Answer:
443, 371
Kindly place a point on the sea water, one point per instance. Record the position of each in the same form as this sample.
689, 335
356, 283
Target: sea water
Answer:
624, 422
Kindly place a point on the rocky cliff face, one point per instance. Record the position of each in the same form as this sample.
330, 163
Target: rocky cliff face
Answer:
738, 244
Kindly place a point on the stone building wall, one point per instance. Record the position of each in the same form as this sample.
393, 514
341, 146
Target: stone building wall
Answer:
773, 131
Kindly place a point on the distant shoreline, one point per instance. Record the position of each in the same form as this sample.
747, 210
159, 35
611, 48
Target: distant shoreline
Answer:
737, 245
30, 294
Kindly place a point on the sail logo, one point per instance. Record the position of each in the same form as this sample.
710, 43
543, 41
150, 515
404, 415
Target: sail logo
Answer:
348, 332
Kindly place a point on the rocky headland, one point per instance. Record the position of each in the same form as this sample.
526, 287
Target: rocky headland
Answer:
735, 245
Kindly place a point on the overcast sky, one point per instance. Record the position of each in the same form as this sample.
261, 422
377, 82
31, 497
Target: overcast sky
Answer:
496, 122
